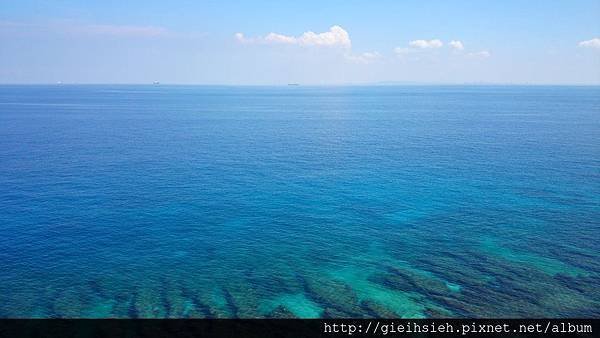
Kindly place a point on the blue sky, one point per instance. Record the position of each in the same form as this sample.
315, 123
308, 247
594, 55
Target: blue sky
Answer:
309, 42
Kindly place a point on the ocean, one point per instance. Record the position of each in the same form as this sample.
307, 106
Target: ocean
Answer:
154, 201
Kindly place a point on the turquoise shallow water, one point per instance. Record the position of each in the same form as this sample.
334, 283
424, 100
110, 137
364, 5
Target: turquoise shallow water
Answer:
173, 201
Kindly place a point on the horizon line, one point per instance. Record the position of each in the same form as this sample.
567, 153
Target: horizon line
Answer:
296, 84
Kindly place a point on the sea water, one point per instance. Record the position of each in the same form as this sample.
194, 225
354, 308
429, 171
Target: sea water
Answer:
382, 201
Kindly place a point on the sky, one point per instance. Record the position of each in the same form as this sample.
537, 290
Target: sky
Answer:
307, 42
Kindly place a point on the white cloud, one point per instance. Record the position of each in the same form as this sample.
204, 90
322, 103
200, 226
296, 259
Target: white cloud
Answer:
456, 45
482, 54
336, 36
364, 58
240, 37
418, 48
278, 38
592, 43
435, 43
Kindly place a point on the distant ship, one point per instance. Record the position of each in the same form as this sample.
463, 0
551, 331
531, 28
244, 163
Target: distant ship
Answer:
293, 84
156, 82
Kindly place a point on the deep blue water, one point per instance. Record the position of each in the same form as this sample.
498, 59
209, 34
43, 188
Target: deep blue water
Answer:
173, 201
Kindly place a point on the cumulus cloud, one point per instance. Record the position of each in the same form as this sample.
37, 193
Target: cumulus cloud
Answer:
364, 58
240, 37
435, 43
418, 48
456, 45
279, 38
592, 43
336, 36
